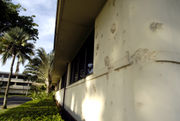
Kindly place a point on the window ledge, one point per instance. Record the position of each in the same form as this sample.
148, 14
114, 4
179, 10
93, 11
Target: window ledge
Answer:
76, 83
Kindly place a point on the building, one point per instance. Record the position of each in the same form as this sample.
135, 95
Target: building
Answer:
17, 85
118, 60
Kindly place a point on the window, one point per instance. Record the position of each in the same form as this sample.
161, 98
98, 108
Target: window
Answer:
21, 77
5, 75
82, 65
64, 78
11, 83
22, 84
3, 83
13, 76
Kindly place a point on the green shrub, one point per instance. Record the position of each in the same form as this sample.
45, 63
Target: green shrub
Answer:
36, 110
38, 95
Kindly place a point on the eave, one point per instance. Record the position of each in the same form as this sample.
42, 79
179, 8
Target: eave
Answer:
74, 20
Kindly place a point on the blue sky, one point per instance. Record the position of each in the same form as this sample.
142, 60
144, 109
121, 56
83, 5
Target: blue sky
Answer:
45, 12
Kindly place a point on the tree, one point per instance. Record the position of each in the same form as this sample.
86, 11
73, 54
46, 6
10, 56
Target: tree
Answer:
14, 43
40, 67
20, 60
31, 70
45, 67
10, 18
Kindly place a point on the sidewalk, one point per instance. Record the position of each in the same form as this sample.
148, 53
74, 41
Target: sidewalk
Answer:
14, 101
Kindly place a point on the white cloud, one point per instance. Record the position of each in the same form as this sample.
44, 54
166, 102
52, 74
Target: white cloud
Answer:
48, 4
47, 26
47, 42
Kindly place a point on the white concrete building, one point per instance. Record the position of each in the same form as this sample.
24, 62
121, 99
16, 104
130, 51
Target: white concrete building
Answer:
118, 60
17, 85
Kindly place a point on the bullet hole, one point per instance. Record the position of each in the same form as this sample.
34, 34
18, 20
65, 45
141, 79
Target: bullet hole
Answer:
94, 88
143, 55
97, 47
124, 31
113, 28
117, 14
154, 26
107, 61
114, 2
123, 42
101, 35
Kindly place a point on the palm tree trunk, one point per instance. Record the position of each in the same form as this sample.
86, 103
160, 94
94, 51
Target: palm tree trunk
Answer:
48, 83
47, 86
7, 87
17, 68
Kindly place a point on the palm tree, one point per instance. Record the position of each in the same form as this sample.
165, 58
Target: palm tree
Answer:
14, 43
31, 69
20, 60
40, 67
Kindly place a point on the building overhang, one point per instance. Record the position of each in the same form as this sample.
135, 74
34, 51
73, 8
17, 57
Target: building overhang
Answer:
74, 20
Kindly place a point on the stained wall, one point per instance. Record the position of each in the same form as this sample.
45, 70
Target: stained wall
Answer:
136, 65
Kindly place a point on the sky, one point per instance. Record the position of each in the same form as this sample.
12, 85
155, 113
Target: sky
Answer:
45, 12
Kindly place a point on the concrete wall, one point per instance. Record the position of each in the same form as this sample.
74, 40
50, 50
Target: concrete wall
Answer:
136, 65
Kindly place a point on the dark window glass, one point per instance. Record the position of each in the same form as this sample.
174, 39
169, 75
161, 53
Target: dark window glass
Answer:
20, 77
22, 84
12, 83
3, 83
72, 72
76, 68
13, 76
82, 65
6, 76
82, 68
64, 78
90, 54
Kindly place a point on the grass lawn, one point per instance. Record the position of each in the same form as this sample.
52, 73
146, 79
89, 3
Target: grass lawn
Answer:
36, 110
9, 106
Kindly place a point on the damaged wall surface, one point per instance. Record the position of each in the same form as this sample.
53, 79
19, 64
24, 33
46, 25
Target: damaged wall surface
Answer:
136, 65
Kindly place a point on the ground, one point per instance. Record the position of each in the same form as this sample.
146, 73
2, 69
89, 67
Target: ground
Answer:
15, 100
